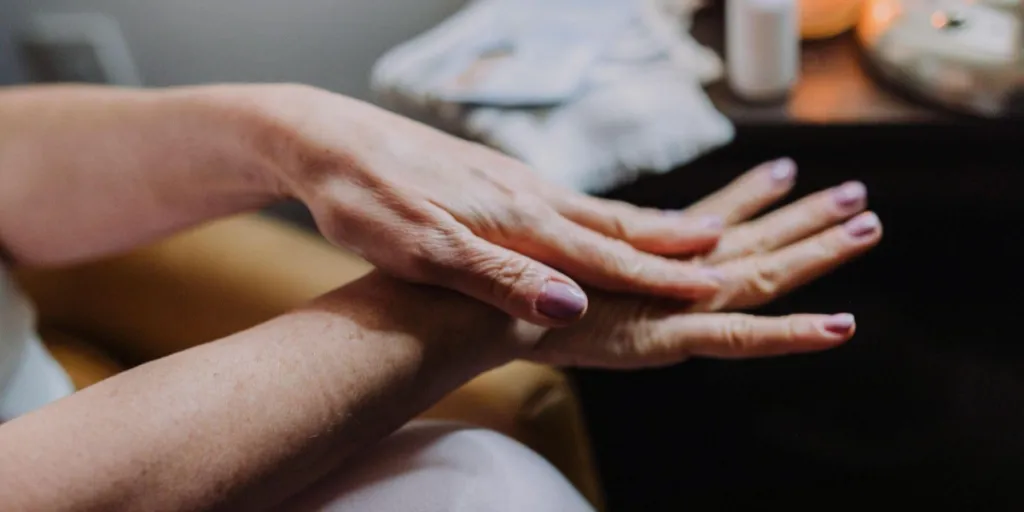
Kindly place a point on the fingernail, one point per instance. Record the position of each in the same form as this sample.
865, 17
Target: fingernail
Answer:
561, 301
850, 195
863, 225
711, 222
782, 170
840, 324
714, 274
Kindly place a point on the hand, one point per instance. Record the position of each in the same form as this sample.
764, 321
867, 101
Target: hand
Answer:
430, 208
761, 260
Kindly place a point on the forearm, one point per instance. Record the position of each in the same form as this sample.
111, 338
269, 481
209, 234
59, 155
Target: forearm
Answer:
86, 171
248, 420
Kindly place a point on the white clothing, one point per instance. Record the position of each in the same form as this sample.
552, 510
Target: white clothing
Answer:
29, 376
444, 467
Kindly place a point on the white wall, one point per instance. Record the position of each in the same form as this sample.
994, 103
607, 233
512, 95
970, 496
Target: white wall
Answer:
329, 43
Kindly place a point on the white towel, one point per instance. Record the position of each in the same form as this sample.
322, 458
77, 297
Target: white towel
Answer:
591, 93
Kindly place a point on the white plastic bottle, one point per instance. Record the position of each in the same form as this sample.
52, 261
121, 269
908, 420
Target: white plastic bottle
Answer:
762, 48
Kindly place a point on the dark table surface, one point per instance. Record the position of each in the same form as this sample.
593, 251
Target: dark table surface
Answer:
926, 405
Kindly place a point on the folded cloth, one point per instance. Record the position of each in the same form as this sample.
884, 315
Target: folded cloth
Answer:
591, 93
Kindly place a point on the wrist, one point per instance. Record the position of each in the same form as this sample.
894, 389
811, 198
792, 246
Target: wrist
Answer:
269, 121
245, 145
449, 327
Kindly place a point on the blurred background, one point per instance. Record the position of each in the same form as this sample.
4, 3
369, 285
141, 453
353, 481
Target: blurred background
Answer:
326, 43
918, 99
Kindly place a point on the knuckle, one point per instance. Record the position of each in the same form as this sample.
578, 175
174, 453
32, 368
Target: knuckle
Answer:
738, 333
528, 212
496, 225
830, 246
826, 249
519, 214
751, 242
764, 279
508, 275
622, 261
619, 228
793, 328
615, 218
761, 243
422, 261
435, 254
519, 200
637, 333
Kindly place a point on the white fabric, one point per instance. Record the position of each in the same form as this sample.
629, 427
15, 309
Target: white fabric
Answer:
29, 376
444, 467
639, 107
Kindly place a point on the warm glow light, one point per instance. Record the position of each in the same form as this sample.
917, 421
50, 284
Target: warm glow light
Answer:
878, 15
826, 18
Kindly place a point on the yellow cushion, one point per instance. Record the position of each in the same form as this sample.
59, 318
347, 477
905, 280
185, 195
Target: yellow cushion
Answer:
85, 363
820, 19
230, 275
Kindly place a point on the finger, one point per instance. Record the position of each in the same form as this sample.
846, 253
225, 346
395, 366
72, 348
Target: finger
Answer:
649, 230
736, 336
610, 264
757, 280
509, 281
791, 223
747, 195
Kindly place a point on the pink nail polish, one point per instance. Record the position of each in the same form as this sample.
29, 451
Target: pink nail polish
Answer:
714, 274
840, 324
850, 195
561, 301
711, 222
782, 171
863, 225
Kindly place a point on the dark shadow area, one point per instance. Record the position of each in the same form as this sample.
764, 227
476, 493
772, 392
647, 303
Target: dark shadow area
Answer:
925, 405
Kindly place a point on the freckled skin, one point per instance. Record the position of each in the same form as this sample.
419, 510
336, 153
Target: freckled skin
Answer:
244, 422
413, 201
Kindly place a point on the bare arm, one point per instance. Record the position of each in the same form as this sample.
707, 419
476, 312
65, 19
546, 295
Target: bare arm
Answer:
245, 421
86, 171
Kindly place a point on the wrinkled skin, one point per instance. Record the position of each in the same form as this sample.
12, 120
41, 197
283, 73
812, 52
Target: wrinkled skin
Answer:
761, 260
430, 208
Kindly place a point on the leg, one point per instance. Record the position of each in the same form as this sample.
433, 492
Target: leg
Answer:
443, 467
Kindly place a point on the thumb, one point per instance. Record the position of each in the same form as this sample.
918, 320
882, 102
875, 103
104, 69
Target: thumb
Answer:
516, 284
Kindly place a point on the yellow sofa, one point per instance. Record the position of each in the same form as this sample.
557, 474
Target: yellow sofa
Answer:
235, 273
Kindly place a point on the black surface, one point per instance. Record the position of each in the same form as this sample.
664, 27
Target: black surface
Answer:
925, 405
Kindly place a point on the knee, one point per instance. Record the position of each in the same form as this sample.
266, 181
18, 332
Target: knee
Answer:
489, 465
449, 467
